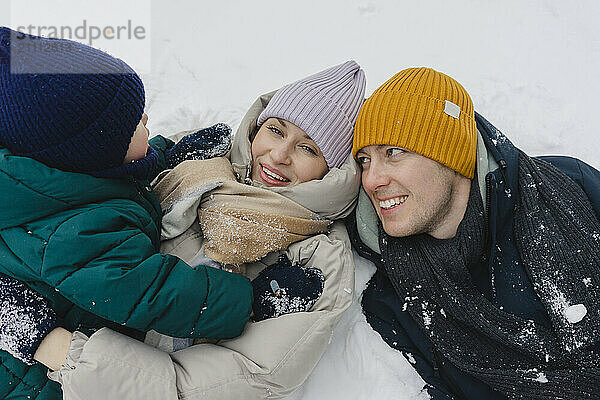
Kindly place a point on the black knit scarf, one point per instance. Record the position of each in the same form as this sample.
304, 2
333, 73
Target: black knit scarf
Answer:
557, 235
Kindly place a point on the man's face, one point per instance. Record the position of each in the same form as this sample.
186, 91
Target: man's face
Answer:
412, 194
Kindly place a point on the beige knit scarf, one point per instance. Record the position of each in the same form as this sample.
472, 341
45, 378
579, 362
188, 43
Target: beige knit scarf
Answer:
240, 223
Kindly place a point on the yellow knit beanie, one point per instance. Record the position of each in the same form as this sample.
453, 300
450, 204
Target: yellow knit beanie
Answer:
424, 111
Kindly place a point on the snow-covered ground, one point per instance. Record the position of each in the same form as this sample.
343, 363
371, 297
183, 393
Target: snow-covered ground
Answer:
530, 66
358, 364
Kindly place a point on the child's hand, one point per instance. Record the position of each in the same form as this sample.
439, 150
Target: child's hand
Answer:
214, 141
283, 288
25, 319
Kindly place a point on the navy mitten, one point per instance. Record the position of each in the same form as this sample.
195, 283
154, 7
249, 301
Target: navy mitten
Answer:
206, 143
283, 288
25, 319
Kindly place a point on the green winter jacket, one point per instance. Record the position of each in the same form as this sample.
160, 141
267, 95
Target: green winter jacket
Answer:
91, 247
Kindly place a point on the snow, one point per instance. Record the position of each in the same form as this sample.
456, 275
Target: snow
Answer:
530, 67
304, 293
536, 375
24, 315
575, 313
541, 377
358, 364
284, 303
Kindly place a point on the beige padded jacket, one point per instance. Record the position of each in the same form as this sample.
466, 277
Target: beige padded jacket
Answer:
272, 357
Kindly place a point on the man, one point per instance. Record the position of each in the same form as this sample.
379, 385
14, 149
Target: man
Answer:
488, 261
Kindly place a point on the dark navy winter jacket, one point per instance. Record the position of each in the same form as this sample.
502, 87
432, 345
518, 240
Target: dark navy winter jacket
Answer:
500, 276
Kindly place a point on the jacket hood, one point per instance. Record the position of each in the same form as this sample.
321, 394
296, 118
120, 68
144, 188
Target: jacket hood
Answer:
340, 184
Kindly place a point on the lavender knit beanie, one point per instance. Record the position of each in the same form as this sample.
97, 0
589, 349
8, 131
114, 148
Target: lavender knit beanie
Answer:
325, 106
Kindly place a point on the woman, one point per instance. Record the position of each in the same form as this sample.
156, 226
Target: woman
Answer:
289, 142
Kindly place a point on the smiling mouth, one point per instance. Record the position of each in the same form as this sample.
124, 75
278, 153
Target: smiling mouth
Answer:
271, 177
393, 202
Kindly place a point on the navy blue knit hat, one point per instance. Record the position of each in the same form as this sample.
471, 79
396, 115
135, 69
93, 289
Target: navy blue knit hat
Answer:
65, 104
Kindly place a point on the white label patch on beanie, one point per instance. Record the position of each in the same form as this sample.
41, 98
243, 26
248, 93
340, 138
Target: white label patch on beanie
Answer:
452, 109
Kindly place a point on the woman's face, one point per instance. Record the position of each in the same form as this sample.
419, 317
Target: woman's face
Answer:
284, 155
